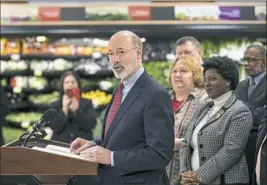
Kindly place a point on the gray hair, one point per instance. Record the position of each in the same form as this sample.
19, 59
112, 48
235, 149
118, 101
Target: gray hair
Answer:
184, 40
261, 49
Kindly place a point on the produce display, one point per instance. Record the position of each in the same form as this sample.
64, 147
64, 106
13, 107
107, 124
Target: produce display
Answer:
10, 46
41, 45
24, 119
56, 65
44, 98
106, 13
29, 82
14, 98
12, 65
159, 70
98, 97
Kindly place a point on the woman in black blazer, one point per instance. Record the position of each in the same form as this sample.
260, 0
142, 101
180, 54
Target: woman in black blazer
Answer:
75, 118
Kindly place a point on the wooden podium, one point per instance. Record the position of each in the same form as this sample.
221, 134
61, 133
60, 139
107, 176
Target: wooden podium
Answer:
46, 168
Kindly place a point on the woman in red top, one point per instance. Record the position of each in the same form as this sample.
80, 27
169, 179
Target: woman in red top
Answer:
186, 78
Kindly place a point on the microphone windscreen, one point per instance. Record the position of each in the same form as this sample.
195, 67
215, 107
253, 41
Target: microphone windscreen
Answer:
49, 115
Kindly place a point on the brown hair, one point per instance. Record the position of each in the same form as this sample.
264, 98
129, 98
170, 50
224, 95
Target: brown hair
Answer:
194, 66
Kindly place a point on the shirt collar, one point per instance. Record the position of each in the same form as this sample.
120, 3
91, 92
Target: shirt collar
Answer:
131, 80
194, 93
258, 78
222, 99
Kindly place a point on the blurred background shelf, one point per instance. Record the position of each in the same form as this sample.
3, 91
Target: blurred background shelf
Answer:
172, 29
47, 57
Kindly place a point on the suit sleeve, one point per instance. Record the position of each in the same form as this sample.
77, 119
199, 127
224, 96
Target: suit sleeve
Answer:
257, 111
85, 117
59, 122
4, 105
235, 141
159, 135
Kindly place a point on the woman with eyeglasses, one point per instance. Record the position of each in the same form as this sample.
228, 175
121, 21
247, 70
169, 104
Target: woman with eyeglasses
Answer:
215, 151
187, 83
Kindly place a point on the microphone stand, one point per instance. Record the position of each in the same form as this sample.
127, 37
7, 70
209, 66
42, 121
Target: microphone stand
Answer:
33, 133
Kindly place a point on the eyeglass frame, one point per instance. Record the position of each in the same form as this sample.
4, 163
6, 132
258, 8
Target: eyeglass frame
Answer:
250, 60
122, 54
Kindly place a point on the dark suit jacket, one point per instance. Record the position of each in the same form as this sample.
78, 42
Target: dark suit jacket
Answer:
256, 102
3, 112
257, 105
141, 136
261, 135
79, 124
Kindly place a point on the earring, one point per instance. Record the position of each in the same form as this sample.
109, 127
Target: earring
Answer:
227, 84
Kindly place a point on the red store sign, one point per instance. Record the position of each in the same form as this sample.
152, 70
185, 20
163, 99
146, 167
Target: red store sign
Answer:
140, 12
49, 13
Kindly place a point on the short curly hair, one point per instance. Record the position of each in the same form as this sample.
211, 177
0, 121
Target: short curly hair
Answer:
194, 66
226, 67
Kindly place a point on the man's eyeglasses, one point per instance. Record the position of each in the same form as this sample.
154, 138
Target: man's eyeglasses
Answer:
250, 60
120, 53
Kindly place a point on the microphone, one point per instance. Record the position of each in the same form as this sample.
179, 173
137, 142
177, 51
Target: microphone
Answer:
39, 125
44, 120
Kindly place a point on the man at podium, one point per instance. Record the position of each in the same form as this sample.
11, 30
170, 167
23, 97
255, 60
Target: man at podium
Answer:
137, 136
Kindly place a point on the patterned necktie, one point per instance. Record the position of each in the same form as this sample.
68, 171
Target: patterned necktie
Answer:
252, 86
114, 106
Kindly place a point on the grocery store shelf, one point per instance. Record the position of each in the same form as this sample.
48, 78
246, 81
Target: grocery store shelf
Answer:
130, 22
98, 74
17, 125
15, 73
31, 90
39, 107
152, 3
18, 106
47, 57
161, 28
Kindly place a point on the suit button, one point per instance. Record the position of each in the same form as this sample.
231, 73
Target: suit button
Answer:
200, 133
203, 158
200, 146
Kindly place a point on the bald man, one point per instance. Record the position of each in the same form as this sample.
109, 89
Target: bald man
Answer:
137, 136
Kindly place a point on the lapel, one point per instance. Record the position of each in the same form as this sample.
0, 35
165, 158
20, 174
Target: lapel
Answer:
105, 117
245, 89
260, 88
221, 111
261, 135
132, 96
202, 112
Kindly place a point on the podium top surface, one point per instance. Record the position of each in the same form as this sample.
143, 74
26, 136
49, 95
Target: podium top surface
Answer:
38, 159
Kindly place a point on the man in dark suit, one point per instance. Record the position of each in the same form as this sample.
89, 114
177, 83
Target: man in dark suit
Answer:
259, 175
137, 135
252, 91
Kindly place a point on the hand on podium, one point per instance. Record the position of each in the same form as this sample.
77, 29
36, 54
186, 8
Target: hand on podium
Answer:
89, 151
97, 154
79, 145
